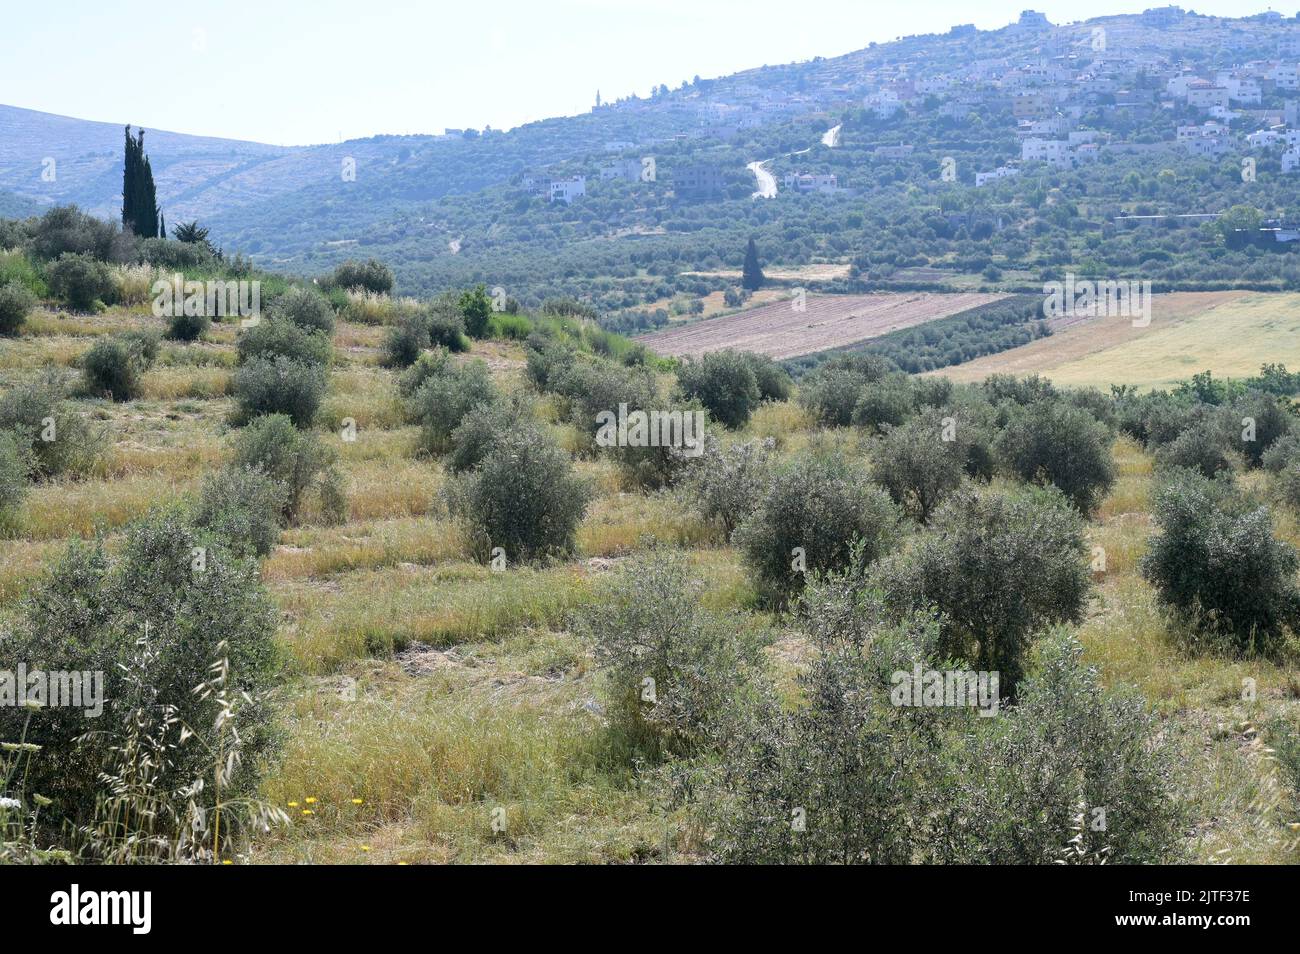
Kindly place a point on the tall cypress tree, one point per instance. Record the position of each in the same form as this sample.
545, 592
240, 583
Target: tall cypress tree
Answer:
752, 277
128, 182
139, 197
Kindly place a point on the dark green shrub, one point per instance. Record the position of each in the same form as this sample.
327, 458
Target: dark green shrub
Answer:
476, 309
885, 403
726, 484
60, 440
1071, 775
548, 360
428, 365
1000, 567
404, 341
305, 308
243, 507
845, 777
447, 329
1260, 419
16, 303
523, 498
773, 381
183, 327
79, 280
278, 386
1217, 567
1053, 442
177, 256
1003, 388
677, 677
833, 389
594, 388
67, 230
819, 512
1282, 453
445, 398
370, 275
919, 465
113, 365
280, 338
295, 459
152, 617
1206, 447
15, 466
482, 429
724, 382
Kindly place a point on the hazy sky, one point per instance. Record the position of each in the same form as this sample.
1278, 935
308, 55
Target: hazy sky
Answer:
309, 71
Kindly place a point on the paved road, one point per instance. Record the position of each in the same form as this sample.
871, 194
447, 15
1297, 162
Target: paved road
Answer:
766, 181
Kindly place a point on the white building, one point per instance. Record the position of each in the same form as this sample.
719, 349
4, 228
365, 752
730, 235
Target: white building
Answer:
1004, 172
1291, 160
629, 170
812, 183
1207, 97
566, 190
1054, 152
884, 103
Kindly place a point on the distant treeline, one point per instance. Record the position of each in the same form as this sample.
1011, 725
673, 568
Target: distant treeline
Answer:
965, 336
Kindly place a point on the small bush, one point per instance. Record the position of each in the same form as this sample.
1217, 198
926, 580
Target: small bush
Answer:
1067, 756
430, 364
278, 386
280, 338
818, 513
919, 465
844, 777
482, 429
476, 309
1269, 420
113, 365
886, 403
67, 230
16, 303
80, 280
523, 497
371, 275
447, 329
292, 458
305, 308
1282, 453
724, 382
773, 381
1206, 448
15, 466
154, 625
59, 440
242, 507
548, 360
1217, 566
678, 677
726, 484
444, 399
404, 341
1053, 442
999, 567
183, 327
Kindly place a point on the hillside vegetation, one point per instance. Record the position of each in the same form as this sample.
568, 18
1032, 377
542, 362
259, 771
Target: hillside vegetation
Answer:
433, 615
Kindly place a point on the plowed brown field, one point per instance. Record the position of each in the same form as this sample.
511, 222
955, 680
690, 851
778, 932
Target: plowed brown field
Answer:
829, 321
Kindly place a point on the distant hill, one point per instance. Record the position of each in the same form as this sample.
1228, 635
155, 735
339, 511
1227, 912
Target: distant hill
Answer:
876, 201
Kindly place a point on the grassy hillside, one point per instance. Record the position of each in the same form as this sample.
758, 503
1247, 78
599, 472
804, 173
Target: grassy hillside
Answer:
435, 708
